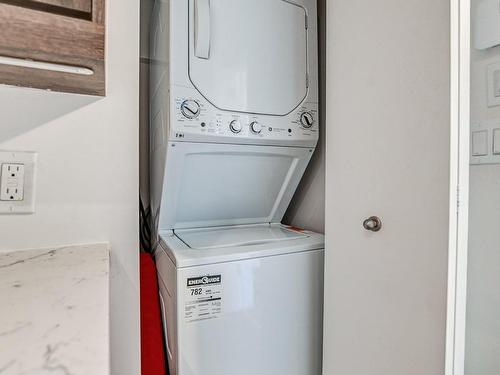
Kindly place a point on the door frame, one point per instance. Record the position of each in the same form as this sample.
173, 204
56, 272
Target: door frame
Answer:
459, 185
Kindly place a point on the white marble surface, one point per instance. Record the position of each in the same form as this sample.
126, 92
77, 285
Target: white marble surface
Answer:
54, 311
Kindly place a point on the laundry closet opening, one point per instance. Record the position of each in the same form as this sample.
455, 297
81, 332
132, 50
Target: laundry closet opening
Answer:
232, 180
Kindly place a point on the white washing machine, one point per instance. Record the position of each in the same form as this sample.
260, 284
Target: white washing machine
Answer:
242, 300
234, 122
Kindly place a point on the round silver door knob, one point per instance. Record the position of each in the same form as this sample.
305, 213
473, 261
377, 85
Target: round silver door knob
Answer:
373, 224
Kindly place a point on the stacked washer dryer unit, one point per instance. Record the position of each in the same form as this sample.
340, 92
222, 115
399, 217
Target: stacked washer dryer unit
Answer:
234, 122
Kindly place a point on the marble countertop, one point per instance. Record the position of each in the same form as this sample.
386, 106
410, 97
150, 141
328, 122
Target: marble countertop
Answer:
54, 311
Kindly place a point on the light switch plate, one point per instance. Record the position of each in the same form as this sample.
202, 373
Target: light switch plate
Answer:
493, 74
496, 141
491, 131
17, 172
479, 143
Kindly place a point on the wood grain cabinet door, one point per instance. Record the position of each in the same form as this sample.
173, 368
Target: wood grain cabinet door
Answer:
76, 5
53, 44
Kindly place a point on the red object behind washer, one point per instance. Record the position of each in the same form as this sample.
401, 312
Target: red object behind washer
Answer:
152, 350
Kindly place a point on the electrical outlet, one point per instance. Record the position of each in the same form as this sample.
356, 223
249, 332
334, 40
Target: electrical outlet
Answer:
17, 182
12, 182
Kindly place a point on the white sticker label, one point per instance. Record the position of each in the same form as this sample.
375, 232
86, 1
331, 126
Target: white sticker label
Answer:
203, 298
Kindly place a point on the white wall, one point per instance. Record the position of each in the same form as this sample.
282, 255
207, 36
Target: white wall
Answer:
87, 173
307, 209
483, 299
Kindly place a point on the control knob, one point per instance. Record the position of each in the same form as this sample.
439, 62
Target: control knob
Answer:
255, 127
307, 119
190, 109
235, 126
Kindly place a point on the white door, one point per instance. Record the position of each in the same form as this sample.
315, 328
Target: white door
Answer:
249, 57
388, 155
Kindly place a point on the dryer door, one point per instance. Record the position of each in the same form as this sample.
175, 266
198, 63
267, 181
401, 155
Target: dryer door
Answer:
249, 55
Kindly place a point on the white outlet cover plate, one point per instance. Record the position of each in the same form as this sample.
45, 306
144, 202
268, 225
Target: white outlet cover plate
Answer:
29, 160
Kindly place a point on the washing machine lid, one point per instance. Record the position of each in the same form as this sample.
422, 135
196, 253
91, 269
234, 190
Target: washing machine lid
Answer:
260, 244
211, 185
211, 238
249, 55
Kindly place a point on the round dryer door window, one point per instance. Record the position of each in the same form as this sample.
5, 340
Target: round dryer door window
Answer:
249, 55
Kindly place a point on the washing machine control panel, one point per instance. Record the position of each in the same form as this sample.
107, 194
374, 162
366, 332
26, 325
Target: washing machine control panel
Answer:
194, 118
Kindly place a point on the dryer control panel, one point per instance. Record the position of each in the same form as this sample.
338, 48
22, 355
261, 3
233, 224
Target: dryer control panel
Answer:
193, 118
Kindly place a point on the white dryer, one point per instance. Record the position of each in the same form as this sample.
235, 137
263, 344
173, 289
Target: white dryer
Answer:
228, 79
234, 122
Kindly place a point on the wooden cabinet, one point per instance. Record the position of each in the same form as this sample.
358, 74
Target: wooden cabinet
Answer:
72, 8
53, 44
75, 5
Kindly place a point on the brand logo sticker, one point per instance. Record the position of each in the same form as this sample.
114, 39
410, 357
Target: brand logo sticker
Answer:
204, 280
